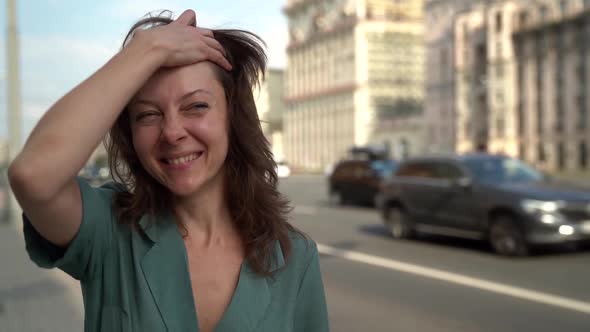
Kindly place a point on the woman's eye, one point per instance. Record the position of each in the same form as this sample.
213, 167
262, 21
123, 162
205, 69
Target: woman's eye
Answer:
146, 116
199, 106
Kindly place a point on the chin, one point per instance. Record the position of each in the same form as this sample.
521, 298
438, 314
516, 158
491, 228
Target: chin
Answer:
185, 188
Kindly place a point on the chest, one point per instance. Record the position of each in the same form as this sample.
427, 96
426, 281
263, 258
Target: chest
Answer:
214, 277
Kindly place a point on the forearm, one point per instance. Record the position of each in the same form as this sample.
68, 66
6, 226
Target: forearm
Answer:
68, 133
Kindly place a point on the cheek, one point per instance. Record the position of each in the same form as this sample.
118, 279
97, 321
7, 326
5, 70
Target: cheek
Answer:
213, 131
143, 140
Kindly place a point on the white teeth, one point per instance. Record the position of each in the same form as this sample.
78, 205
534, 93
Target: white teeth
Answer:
182, 160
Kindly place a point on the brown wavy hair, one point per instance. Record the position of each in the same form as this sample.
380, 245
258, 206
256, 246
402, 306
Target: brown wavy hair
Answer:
258, 210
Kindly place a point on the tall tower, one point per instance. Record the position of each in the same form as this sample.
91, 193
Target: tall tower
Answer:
13, 94
13, 86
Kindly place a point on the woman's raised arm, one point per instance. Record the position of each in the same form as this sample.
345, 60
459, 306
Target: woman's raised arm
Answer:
43, 175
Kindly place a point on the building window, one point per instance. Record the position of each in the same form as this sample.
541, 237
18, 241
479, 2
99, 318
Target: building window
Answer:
539, 118
523, 17
560, 156
543, 13
559, 105
499, 70
521, 118
583, 155
539, 97
559, 124
443, 65
499, 22
541, 152
499, 97
563, 6
500, 127
582, 113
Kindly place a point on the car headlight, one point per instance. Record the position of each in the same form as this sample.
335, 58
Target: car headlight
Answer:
535, 206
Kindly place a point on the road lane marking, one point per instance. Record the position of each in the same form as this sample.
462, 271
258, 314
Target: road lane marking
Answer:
482, 284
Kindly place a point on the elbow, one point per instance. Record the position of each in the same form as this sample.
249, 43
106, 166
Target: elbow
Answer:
25, 182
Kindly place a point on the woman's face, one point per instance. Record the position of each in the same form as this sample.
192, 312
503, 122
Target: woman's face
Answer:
179, 126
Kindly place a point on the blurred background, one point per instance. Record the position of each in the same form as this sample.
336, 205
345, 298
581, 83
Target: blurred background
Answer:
436, 150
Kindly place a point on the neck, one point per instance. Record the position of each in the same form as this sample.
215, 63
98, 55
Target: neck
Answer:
205, 216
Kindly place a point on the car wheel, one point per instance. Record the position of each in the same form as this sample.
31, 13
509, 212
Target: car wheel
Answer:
397, 223
506, 238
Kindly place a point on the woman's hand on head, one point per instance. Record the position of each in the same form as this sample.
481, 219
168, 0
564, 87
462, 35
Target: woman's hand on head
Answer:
184, 43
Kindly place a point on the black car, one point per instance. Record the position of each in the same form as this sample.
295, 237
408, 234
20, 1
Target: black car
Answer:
358, 181
480, 196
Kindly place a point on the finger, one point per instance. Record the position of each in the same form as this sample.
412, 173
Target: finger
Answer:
205, 32
217, 57
188, 17
211, 42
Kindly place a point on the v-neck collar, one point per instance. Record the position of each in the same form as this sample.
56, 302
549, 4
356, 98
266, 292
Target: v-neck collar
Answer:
165, 268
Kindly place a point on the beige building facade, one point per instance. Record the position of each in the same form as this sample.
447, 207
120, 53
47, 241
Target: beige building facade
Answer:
521, 83
354, 78
3, 152
440, 109
271, 107
471, 93
486, 77
552, 41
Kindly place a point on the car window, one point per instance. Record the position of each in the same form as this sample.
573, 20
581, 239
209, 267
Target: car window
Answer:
362, 170
383, 168
448, 171
344, 170
417, 169
502, 170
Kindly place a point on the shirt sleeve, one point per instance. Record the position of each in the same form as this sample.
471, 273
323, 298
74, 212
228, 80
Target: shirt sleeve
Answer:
84, 255
311, 312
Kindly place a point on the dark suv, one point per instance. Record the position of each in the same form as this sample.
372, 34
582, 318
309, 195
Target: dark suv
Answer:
358, 181
496, 198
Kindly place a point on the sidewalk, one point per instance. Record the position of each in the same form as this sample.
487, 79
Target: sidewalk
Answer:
34, 299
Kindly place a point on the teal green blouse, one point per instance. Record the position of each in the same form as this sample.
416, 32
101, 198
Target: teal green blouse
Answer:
137, 279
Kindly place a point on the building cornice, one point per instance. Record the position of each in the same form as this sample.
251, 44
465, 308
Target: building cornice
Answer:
346, 24
540, 25
296, 5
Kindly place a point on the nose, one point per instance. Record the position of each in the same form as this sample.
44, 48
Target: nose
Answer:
173, 130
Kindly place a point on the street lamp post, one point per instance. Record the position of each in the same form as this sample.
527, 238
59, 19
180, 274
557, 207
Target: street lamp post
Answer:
13, 93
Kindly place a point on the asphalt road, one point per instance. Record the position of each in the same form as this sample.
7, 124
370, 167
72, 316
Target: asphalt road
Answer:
374, 283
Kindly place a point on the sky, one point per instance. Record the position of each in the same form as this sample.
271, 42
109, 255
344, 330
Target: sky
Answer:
62, 42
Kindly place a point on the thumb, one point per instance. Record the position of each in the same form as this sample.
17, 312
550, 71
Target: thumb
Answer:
188, 17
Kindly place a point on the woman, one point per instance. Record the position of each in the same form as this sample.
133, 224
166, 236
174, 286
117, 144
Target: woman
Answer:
194, 236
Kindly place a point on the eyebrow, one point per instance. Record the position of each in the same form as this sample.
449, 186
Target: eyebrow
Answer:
185, 96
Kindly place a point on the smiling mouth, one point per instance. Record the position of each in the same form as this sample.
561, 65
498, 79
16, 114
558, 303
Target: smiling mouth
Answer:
183, 159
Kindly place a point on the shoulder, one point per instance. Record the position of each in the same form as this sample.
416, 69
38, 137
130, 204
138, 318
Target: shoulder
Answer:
92, 196
303, 250
111, 188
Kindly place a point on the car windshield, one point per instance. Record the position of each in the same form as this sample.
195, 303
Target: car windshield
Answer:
501, 170
384, 168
